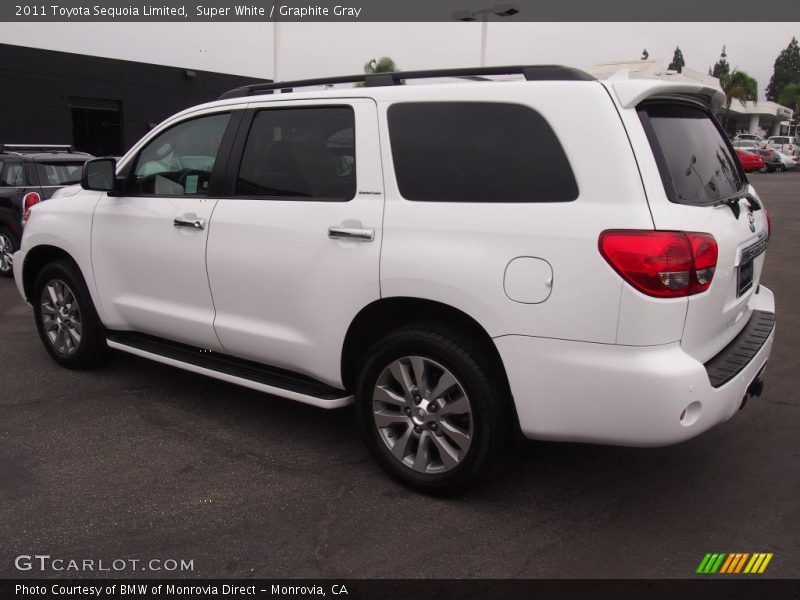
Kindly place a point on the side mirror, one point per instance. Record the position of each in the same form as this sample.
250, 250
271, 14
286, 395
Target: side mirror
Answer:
100, 175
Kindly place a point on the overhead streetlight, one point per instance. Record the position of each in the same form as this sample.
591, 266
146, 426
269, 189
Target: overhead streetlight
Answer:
482, 14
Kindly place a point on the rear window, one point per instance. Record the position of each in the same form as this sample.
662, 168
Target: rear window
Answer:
780, 140
477, 152
692, 154
59, 173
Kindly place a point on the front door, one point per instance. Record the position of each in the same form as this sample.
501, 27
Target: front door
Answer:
148, 246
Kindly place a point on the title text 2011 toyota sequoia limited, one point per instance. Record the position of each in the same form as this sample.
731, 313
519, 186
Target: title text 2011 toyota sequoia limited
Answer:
570, 258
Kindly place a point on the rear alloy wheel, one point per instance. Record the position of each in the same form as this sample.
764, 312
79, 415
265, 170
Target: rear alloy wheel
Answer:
66, 319
7, 248
433, 406
422, 414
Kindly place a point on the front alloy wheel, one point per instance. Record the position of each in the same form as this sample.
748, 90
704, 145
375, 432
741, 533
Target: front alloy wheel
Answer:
6, 254
423, 415
61, 317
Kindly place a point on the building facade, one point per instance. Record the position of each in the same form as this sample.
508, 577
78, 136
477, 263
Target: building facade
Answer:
98, 105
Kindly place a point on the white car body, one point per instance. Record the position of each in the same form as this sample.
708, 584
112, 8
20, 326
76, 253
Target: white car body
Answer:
789, 162
785, 144
588, 357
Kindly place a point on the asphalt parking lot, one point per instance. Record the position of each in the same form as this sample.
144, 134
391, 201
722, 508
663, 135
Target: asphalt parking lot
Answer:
139, 460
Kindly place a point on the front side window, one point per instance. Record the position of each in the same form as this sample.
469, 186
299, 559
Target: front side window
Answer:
59, 173
179, 161
300, 153
477, 152
695, 163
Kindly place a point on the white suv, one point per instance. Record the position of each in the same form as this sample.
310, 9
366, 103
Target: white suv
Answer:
452, 257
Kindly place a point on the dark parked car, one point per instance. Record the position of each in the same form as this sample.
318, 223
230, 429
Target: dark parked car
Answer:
28, 175
772, 161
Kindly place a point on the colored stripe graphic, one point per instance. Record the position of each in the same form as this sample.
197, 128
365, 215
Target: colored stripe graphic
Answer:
723, 563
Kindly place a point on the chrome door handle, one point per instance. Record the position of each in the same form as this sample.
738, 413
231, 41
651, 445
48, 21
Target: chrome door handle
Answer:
193, 223
346, 233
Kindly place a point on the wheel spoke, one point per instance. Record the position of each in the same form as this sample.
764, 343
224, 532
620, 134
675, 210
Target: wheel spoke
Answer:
51, 291
384, 394
445, 384
48, 309
459, 406
456, 435
75, 337
402, 376
420, 374
387, 419
447, 454
422, 459
400, 448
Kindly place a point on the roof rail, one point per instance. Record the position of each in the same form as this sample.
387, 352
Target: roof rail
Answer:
22, 148
530, 72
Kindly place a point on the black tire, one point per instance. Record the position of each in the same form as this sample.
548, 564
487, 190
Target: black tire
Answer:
8, 245
91, 348
474, 367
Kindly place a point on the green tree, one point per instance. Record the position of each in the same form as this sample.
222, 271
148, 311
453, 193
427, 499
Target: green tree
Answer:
739, 85
786, 70
790, 96
384, 64
677, 63
645, 54
721, 68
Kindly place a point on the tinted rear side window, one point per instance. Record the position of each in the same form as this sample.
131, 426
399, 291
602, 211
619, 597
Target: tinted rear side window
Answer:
59, 173
300, 153
477, 152
693, 157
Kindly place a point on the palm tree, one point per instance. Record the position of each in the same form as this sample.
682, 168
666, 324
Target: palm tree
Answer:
384, 64
739, 85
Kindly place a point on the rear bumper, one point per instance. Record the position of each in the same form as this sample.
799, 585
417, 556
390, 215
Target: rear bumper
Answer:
624, 395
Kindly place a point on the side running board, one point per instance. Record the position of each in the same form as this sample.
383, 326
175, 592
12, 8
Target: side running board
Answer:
271, 380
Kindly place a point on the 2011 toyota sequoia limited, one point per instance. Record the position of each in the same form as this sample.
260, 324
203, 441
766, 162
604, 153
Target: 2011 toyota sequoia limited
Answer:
570, 258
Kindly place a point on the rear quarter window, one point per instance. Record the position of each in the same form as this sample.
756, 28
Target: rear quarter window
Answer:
477, 152
694, 159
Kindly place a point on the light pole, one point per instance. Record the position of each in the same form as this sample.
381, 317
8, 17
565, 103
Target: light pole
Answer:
499, 10
275, 42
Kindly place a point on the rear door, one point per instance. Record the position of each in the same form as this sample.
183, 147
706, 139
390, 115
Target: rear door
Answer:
294, 244
705, 190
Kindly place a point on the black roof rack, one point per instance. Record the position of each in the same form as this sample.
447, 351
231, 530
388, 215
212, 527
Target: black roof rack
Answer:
38, 148
530, 72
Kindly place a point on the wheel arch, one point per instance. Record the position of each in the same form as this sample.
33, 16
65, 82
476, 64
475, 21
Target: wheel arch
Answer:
384, 315
35, 259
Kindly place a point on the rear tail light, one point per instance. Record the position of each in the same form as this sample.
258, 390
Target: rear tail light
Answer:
28, 200
665, 264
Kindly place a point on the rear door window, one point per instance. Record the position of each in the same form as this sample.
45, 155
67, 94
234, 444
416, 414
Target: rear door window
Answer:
696, 164
477, 152
300, 153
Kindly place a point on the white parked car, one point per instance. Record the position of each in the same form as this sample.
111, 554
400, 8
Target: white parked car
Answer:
751, 137
783, 143
788, 162
747, 145
454, 258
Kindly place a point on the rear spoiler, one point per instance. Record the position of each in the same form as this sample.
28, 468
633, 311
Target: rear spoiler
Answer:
631, 92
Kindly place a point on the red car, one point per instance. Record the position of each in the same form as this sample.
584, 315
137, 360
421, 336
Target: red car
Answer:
750, 162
